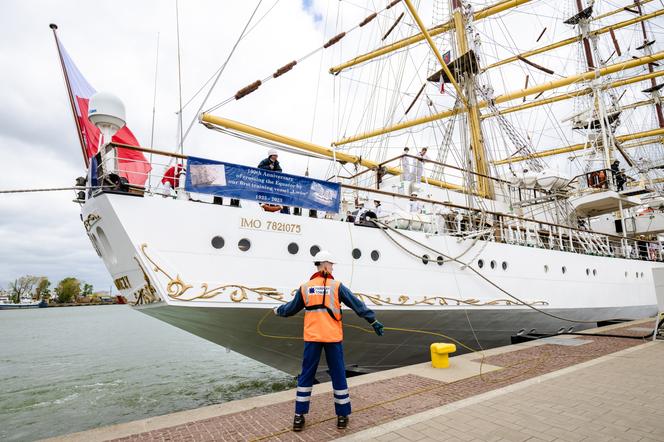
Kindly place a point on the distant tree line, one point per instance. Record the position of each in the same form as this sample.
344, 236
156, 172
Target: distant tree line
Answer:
39, 287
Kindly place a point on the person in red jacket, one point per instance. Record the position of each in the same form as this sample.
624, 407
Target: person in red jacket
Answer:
171, 180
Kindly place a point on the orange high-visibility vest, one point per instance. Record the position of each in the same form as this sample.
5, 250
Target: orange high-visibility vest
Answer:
322, 315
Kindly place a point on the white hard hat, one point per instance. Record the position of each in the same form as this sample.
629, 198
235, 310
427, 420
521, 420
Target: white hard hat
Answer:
272, 152
323, 256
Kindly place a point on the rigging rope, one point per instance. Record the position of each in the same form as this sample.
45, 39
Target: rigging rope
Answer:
385, 227
221, 70
289, 66
52, 189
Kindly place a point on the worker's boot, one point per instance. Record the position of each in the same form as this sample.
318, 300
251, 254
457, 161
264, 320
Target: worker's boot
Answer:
298, 422
342, 422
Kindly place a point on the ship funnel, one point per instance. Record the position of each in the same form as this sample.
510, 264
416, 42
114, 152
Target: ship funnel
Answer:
107, 112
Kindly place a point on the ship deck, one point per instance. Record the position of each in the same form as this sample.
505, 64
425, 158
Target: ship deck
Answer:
564, 388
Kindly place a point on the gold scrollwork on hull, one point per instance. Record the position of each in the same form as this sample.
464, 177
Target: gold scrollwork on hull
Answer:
443, 300
176, 288
90, 220
146, 294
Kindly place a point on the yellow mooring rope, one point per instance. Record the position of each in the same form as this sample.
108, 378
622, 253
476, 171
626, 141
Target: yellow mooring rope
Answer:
540, 360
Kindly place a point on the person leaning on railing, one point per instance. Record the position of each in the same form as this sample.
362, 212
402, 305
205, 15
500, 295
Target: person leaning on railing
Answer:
272, 163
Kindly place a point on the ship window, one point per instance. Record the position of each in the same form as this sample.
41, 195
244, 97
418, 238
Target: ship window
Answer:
504, 265
546, 268
293, 248
637, 274
594, 272
440, 260
425, 259
625, 274
480, 263
564, 269
357, 253
244, 244
588, 272
314, 250
641, 274
217, 242
493, 264
375, 255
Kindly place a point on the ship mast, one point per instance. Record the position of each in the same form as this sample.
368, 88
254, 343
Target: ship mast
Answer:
647, 50
477, 148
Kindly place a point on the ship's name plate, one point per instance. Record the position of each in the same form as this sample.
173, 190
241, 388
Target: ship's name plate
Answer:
271, 226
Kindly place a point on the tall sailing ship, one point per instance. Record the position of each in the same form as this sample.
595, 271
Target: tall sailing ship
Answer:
517, 220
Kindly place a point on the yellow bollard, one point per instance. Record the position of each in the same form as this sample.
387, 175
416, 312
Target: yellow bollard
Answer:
440, 354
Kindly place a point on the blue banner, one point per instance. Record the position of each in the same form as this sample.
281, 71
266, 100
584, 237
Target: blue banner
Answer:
265, 186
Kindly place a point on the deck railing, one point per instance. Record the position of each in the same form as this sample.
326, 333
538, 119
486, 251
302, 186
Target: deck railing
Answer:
439, 217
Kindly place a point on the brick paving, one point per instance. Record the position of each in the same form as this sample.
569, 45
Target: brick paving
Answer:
618, 399
388, 400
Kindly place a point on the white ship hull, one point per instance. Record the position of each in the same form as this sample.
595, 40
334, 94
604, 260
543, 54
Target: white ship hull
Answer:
159, 252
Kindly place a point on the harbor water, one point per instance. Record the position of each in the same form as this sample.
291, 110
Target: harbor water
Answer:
64, 370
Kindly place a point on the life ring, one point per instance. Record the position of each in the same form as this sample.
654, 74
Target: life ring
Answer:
271, 207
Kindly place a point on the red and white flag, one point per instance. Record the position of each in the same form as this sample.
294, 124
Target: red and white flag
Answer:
132, 163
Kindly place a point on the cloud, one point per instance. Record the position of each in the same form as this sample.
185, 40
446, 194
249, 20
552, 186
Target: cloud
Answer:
114, 45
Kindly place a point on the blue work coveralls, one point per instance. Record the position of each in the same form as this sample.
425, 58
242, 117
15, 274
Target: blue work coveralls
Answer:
334, 354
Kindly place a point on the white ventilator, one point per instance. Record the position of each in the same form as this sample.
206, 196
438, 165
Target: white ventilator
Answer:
107, 112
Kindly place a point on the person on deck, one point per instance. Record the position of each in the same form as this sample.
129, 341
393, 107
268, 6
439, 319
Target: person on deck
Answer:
406, 166
271, 162
321, 298
415, 206
171, 180
419, 167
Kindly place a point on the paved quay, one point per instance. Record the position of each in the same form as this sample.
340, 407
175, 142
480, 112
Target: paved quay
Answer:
563, 388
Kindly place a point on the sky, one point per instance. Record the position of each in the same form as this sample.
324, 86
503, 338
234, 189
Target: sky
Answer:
114, 44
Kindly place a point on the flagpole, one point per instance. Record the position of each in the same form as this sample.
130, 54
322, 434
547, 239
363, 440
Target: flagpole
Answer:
54, 27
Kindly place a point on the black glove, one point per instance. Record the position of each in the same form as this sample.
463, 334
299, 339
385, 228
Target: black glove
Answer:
378, 328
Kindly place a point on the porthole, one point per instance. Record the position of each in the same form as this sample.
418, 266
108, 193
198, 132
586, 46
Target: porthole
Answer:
293, 248
314, 250
570, 330
594, 272
637, 274
546, 268
244, 244
357, 253
493, 264
561, 330
425, 259
375, 255
587, 272
504, 265
641, 274
440, 260
625, 274
564, 270
217, 242
480, 263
